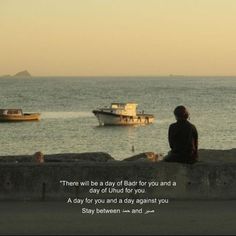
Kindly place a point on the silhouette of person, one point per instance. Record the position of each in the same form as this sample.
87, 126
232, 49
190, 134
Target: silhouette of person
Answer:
183, 138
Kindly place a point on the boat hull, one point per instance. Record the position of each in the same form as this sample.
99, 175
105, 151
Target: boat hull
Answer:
105, 118
24, 117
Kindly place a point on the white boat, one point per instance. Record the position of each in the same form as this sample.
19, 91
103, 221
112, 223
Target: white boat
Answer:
14, 115
122, 114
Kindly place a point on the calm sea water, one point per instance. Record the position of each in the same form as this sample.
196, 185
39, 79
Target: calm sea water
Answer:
68, 124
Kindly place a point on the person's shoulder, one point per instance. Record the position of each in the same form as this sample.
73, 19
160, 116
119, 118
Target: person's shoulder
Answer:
173, 125
192, 125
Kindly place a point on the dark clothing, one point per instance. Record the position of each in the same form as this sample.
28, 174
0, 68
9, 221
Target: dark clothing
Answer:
183, 141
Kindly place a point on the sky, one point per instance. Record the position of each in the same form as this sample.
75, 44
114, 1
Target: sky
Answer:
118, 37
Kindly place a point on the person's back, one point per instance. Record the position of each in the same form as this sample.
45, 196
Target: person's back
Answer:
183, 138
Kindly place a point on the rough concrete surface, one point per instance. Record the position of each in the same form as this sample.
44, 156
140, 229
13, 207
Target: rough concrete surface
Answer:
30, 181
178, 217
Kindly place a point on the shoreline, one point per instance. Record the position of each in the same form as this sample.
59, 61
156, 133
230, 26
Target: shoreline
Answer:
205, 155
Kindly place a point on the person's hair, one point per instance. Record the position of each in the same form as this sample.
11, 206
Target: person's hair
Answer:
181, 113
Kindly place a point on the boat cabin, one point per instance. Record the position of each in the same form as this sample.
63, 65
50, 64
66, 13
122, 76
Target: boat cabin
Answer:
128, 109
11, 112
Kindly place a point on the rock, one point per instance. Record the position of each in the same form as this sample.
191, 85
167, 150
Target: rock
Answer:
23, 73
145, 156
87, 156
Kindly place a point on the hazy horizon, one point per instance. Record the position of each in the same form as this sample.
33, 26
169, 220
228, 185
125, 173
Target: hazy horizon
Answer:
135, 76
118, 38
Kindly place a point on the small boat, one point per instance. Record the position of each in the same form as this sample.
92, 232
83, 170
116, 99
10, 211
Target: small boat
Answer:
14, 115
122, 114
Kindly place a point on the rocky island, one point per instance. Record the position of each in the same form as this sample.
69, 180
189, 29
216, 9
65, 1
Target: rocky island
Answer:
21, 74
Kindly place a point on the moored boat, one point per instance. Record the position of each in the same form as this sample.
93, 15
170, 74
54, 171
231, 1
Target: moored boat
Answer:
14, 115
122, 114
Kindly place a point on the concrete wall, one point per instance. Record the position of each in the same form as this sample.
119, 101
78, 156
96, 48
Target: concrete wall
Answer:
31, 181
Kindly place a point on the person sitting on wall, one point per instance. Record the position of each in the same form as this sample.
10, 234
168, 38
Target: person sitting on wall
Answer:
183, 138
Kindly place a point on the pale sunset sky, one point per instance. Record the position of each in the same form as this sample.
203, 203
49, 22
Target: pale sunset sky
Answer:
118, 37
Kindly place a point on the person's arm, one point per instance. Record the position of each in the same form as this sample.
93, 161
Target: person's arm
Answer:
195, 139
170, 137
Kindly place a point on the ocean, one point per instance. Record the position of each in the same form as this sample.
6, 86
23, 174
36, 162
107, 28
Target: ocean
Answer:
68, 125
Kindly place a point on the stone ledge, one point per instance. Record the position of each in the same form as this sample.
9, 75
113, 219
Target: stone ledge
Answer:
32, 181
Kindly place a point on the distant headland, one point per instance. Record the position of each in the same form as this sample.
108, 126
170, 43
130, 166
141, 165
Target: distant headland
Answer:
23, 73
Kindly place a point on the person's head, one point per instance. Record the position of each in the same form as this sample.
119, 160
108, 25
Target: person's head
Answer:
181, 113
39, 157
